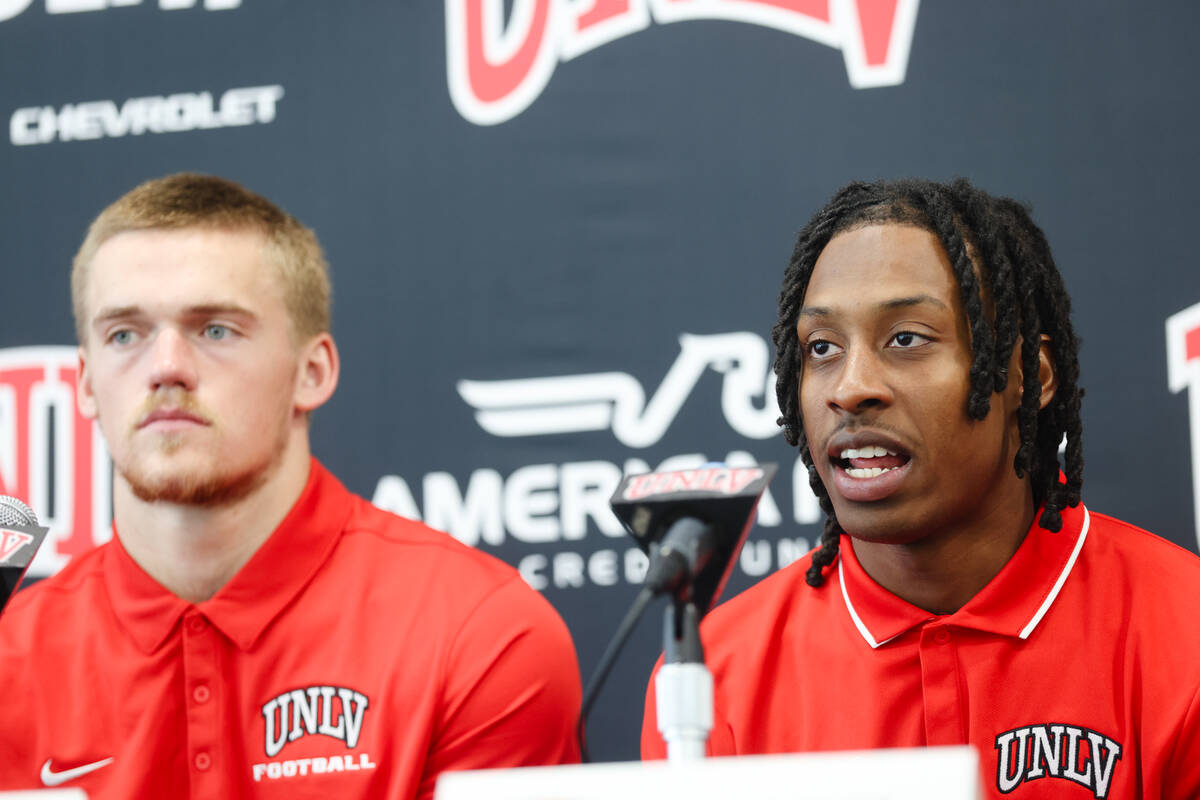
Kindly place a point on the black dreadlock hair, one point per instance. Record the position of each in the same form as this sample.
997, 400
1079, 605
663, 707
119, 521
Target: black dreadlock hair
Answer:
1014, 262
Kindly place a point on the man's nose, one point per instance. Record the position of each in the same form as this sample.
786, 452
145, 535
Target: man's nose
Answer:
172, 361
861, 383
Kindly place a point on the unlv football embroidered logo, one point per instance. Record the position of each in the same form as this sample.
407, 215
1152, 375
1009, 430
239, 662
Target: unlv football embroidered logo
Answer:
50, 455
333, 711
1070, 752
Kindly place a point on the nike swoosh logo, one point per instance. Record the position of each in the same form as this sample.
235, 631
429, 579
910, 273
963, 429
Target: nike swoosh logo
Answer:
52, 778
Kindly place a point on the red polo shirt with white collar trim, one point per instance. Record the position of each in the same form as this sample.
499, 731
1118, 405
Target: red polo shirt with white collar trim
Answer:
1075, 672
356, 655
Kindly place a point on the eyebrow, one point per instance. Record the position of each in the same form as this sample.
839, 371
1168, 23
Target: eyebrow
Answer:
204, 309
886, 305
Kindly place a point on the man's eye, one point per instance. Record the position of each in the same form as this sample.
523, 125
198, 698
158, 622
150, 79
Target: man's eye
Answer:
121, 337
908, 339
216, 332
821, 348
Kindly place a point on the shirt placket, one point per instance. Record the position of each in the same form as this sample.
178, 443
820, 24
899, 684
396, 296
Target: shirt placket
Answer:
200, 686
940, 686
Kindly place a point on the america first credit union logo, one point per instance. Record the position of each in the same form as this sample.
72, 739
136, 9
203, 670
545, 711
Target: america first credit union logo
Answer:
616, 400
497, 67
558, 511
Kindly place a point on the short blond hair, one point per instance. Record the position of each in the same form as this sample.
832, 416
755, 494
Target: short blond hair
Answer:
190, 200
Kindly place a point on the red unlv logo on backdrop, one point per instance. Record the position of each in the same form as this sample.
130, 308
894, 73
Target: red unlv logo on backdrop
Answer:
496, 69
1183, 372
12, 8
50, 456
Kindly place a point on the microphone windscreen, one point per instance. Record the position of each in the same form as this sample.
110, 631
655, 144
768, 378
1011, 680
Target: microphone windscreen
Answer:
14, 512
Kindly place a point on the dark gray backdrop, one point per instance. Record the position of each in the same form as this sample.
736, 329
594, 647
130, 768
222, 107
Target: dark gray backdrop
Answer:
652, 189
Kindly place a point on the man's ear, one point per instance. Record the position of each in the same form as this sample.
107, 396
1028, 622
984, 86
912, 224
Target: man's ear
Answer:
318, 375
84, 398
1047, 372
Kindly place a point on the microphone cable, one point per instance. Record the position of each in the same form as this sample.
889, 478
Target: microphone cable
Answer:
600, 674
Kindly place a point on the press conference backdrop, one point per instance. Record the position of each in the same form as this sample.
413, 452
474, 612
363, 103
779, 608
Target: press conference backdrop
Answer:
587, 206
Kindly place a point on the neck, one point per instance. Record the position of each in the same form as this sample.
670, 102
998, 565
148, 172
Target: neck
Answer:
942, 572
193, 551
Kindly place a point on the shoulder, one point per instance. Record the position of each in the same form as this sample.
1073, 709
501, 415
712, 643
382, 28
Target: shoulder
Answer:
390, 535
776, 593
414, 563
1143, 583
1134, 554
78, 586
752, 620
495, 629
372, 541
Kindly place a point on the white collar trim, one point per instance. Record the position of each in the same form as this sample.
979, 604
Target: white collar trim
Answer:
858, 623
1062, 578
1025, 632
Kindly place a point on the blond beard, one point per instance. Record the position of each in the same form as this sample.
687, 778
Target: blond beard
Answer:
209, 489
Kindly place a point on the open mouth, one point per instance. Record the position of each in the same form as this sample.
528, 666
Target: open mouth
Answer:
870, 461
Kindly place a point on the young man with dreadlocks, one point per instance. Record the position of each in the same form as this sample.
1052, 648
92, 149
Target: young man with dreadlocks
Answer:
961, 592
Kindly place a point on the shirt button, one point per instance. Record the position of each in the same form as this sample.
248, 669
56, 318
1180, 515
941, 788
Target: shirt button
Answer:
201, 694
197, 624
202, 761
942, 636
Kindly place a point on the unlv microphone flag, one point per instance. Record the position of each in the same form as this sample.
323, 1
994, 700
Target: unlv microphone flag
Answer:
20, 538
721, 496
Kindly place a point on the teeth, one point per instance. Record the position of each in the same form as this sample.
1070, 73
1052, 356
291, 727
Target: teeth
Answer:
868, 472
870, 451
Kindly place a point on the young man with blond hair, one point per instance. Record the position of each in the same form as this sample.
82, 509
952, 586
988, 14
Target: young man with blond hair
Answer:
253, 629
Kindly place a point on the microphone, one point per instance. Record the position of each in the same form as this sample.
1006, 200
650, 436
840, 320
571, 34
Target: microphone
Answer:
682, 555
14, 512
20, 538
692, 524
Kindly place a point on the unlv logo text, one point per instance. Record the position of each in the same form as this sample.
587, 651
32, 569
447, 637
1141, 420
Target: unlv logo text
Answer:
713, 479
1073, 753
50, 456
329, 710
602, 400
1183, 372
11, 542
11, 8
496, 70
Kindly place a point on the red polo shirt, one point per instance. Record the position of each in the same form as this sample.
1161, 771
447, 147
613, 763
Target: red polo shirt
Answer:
1075, 672
356, 655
